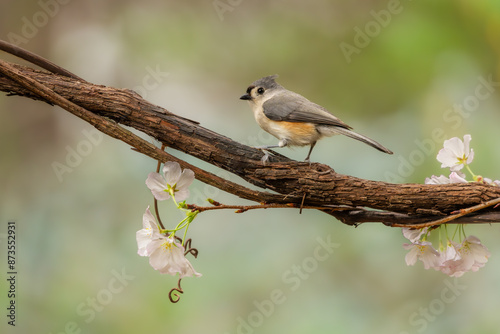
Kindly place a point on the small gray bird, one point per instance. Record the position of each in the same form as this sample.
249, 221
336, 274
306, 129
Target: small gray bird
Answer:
293, 119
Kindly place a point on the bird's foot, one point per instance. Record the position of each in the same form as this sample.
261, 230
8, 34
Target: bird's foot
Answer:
266, 156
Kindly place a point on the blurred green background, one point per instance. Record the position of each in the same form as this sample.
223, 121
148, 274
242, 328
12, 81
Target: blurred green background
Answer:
399, 72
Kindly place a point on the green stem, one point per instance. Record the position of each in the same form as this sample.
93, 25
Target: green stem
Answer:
424, 238
180, 226
190, 215
172, 193
456, 230
470, 171
441, 246
180, 207
463, 231
187, 227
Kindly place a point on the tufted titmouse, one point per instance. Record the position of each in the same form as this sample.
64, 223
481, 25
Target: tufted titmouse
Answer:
293, 119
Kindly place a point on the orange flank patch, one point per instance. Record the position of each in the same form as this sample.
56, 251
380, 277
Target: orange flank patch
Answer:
299, 128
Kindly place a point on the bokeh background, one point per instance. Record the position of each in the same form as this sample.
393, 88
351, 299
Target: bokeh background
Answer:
397, 71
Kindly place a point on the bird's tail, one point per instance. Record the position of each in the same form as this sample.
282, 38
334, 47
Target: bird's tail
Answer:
366, 140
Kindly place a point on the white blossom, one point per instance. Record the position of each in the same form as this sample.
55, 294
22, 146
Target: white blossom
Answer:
167, 256
148, 233
173, 180
456, 153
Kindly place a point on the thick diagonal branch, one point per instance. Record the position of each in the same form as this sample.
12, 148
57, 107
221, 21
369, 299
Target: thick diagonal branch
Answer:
291, 179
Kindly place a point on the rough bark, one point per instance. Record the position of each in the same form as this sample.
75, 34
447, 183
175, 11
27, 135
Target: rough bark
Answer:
292, 180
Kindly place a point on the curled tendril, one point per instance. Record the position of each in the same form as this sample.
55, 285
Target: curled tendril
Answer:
192, 251
172, 294
179, 240
189, 249
188, 242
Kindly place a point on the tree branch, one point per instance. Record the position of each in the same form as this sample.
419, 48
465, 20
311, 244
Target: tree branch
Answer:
36, 59
106, 108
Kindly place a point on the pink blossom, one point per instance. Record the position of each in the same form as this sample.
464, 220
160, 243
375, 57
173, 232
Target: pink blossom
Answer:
424, 252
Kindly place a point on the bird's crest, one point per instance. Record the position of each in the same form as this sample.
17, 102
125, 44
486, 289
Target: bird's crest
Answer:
266, 82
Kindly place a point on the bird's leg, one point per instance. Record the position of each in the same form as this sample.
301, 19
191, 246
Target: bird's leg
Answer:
282, 143
309, 154
267, 154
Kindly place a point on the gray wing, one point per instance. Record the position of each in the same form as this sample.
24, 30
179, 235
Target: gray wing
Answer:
292, 107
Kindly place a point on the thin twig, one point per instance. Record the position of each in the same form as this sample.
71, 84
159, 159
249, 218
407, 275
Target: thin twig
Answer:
155, 200
158, 214
243, 208
36, 59
461, 213
302, 203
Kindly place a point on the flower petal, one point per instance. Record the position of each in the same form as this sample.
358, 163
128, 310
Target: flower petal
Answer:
455, 146
187, 177
181, 195
413, 234
143, 238
158, 250
172, 172
456, 178
470, 157
149, 232
188, 270
158, 186
155, 181
423, 251
146, 217
448, 159
167, 256
411, 257
437, 180
478, 250
467, 139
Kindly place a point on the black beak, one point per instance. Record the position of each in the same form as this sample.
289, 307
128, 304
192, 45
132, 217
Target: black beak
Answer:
245, 97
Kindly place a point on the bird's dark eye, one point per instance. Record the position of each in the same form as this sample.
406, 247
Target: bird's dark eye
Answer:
260, 90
